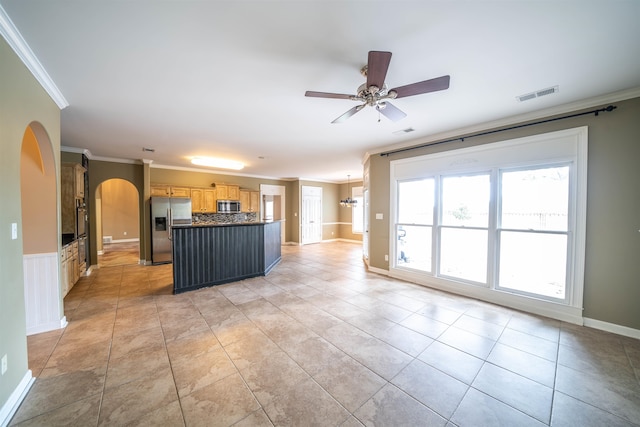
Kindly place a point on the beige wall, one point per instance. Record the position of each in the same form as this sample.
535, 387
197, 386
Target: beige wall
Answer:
23, 102
100, 172
38, 194
120, 210
612, 287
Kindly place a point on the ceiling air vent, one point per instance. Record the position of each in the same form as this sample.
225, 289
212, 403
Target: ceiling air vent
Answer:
537, 94
407, 130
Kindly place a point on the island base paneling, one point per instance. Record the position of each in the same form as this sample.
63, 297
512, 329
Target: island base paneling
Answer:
210, 255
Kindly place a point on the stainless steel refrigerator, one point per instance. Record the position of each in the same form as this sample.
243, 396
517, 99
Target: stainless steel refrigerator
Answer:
165, 213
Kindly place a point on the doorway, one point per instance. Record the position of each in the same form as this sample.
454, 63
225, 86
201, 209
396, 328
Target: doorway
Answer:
41, 259
311, 215
273, 206
117, 223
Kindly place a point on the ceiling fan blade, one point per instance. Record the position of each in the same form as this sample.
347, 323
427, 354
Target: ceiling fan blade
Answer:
392, 112
349, 113
327, 95
433, 85
377, 68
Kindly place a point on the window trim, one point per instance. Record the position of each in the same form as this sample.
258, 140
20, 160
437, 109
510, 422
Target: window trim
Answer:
565, 146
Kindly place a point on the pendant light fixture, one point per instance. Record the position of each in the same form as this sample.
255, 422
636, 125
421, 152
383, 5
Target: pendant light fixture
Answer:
348, 202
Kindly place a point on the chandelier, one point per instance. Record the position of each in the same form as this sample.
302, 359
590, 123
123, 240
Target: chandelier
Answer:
348, 202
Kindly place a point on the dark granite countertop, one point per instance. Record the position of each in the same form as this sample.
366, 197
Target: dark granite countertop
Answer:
67, 238
224, 224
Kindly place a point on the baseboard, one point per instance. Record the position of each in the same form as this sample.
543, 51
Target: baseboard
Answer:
612, 327
124, 241
379, 271
9, 409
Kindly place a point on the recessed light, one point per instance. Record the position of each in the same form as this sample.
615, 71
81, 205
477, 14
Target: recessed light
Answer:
214, 162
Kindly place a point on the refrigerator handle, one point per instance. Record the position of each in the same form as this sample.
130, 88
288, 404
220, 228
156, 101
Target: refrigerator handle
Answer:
170, 222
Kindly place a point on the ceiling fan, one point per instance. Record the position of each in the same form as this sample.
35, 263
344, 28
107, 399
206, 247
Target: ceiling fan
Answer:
375, 92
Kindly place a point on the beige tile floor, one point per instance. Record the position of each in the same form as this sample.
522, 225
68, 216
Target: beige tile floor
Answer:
319, 341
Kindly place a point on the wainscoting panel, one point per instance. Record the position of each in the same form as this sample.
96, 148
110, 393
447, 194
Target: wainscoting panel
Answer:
42, 292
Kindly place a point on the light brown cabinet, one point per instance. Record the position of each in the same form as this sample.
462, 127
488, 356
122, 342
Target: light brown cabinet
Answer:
227, 192
69, 267
203, 200
249, 201
71, 191
170, 191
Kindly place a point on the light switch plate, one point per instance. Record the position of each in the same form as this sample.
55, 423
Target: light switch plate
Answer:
379, 216
14, 230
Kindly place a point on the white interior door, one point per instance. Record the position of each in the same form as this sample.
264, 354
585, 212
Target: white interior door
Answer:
311, 214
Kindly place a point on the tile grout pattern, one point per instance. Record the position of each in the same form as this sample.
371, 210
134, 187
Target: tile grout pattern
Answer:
319, 341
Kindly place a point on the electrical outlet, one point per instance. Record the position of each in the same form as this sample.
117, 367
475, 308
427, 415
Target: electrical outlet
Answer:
14, 230
125, 233
386, 257
4, 364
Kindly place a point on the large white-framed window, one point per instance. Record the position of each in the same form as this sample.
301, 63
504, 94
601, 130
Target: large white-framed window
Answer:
504, 222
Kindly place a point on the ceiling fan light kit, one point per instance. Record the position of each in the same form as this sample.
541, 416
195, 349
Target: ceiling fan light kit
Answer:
375, 93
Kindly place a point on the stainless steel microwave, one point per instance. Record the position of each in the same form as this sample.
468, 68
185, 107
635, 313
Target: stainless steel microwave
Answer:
228, 206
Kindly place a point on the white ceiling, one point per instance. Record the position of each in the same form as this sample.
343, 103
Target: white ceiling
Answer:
227, 78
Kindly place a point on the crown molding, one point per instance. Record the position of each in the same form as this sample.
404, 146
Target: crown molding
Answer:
511, 120
24, 52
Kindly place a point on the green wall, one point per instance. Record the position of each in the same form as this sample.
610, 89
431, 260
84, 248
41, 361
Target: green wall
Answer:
22, 102
612, 287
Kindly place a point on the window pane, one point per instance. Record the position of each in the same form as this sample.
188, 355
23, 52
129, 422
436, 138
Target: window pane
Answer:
414, 247
534, 263
415, 201
536, 199
465, 200
463, 254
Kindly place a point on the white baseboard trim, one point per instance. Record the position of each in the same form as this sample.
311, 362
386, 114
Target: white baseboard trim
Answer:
9, 409
612, 327
340, 239
379, 271
123, 241
46, 327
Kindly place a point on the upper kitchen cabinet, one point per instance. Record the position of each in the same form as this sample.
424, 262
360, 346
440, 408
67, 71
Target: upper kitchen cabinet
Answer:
170, 191
72, 180
71, 195
203, 200
249, 201
227, 192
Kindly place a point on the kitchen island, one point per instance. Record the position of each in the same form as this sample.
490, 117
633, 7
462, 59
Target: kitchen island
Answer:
213, 254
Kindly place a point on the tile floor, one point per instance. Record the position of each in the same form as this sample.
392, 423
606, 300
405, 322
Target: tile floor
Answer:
319, 341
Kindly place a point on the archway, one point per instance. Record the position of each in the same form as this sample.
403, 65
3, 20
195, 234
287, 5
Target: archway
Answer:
38, 177
117, 223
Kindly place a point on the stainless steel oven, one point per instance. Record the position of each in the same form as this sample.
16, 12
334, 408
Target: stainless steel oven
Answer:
82, 252
81, 221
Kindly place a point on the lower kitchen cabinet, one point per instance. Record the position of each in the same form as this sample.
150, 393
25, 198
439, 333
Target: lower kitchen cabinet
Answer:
69, 267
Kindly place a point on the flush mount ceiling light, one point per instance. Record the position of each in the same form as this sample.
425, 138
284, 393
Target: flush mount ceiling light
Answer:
214, 162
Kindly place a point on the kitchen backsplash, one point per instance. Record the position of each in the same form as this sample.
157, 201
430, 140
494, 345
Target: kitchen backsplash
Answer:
220, 218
